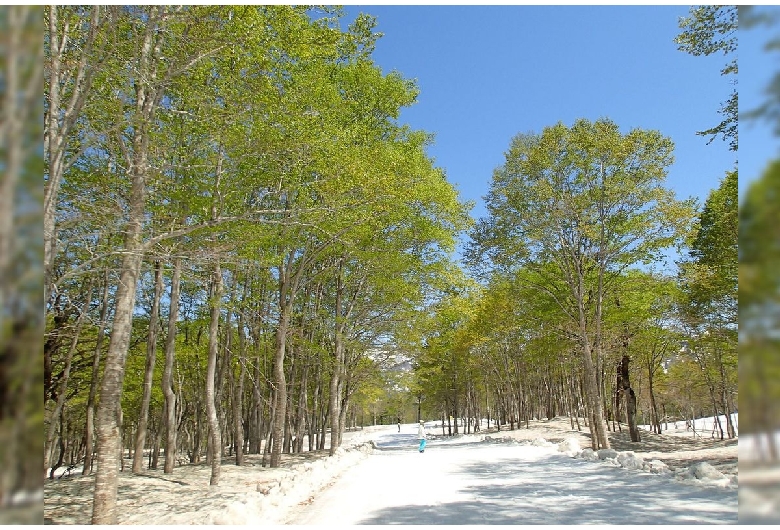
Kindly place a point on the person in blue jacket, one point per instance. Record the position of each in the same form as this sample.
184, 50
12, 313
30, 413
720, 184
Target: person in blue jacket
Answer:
421, 436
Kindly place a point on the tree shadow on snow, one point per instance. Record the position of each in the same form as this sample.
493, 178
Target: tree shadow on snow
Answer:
511, 491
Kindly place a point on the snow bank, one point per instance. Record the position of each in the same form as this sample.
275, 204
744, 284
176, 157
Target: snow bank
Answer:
277, 496
607, 454
570, 446
273, 497
656, 466
707, 474
629, 460
701, 473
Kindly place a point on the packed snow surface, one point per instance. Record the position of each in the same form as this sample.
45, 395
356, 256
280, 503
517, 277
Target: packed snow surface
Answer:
508, 483
543, 474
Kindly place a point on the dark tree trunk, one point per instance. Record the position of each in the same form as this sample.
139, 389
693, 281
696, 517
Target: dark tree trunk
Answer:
629, 399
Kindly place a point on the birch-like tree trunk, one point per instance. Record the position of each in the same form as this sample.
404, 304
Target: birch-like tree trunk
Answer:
238, 399
169, 415
289, 281
108, 422
338, 363
215, 435
151, 358
93, 384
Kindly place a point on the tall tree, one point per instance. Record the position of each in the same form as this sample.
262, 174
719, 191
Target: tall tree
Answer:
710, 286
159, 55
169, 415
589, 200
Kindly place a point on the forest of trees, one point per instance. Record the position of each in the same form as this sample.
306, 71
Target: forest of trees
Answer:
565, 322
240, 239
234, 222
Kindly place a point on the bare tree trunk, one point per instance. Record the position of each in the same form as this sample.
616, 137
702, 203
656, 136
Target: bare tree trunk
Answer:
343, 311
238, 400
215, 436
280, 384
598, 428
655, 419
109, 410
151, 357
343, 413
169, 418
288, 287
155, 452
90, 422
255, 434
301, 415
338, 363
108, 418
22, 65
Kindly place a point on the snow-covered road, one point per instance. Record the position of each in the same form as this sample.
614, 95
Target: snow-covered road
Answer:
456, 482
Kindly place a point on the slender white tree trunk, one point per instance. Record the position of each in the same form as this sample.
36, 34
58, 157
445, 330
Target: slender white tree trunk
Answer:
215, 436
167, 378
151, 357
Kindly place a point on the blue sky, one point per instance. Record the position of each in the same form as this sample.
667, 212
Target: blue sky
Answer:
487, 73
757, 144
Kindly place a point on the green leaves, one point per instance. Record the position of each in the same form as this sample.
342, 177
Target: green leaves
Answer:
587, 193
713, 29
266, 137
710, 275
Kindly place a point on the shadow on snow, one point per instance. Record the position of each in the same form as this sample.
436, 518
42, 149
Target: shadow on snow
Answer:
513, 491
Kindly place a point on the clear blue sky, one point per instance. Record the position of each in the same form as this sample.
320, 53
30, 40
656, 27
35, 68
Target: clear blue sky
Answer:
487, 73
757, 143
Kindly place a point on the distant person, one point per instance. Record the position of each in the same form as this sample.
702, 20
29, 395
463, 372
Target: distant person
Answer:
421, 436
399, 424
